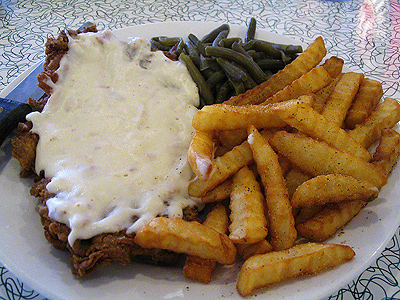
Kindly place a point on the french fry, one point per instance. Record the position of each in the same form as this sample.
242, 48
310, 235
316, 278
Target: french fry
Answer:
304, 259
323, 94
200, 153
228, 117
219, 193
231, 138
318, 158
223, 167
309, 82
280, 219
294, 178
333, 188
387, 152
386, 115
248, 222
199, 269
191, 238
327, 222
307, 120
306, 213
340, 100
366, 100
248, 250
311, 57
334, 66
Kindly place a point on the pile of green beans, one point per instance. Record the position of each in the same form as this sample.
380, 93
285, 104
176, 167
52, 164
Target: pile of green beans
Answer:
223, 66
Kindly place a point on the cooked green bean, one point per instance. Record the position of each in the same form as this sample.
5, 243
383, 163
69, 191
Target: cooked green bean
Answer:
251, 30
239, 48
236, 74
197, 43
210, 37
262, 46
271, 64
194, 72
223, 92
169, 41
254, 70
221, 36
156, 44
227, 43
215, 78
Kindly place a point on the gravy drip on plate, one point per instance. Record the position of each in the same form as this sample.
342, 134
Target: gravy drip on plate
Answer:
113, 136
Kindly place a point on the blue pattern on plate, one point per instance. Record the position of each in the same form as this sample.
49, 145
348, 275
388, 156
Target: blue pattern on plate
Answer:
366, 36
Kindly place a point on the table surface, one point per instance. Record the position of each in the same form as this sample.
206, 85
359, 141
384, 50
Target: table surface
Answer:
366, 34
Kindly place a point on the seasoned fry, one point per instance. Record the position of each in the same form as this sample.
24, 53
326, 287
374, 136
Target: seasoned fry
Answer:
279, 211
311, 57
223, 167
248, 250
334, 66
325, 223
366, 100
231, 138
307, 213
200, 153
318, 158
340, 100
323, 94
199, 269
303, 259
228, 117
294, 178
219, 193
387, 152
333, 188
191, 238
309, 82
248, 222
386, 115
307, 120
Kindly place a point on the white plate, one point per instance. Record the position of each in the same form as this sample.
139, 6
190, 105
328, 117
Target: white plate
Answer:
24, 250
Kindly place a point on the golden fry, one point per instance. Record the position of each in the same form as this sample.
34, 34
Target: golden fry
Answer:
294, 178
311, 57
387, 152
307, 120
248, 222
386, 115
279, 211
219, 193
306, 213
325, 223
366, 100
191, 238
340, 100
223, 167
231, 138
333, 188
199, 269
323, 94
228, 117
334, 66
318, 158
304, 259
309, 82
200, 153
248, 250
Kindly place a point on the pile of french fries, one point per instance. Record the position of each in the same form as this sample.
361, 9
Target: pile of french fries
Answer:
294, 157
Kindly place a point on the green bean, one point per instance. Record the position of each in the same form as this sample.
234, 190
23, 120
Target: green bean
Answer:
169, 41
222, 35
197, 43
223, 92
215, 78
210, 37
194, 72
271, 64
208, 63
236, 74
227, 43
255, 55
262, 46
255, 71
239, 48
156, 44
251, 30
191, 49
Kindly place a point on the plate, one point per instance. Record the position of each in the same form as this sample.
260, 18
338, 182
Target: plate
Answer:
25, 251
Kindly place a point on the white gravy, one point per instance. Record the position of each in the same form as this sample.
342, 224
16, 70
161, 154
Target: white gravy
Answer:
113, 136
